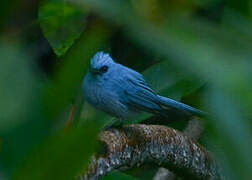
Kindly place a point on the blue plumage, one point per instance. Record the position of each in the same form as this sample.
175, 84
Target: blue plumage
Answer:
123, 92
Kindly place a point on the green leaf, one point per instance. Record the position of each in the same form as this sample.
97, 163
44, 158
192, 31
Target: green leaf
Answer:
68, 79
244, 8
36, 120
171, 81
14, 74
18, 91
61, 24
89, 114
63, 156
234, 134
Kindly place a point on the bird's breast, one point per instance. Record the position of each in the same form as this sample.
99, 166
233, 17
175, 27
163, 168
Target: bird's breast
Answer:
107, 96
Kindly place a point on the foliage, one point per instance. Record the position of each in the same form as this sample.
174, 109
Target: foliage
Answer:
194, 51
61, 23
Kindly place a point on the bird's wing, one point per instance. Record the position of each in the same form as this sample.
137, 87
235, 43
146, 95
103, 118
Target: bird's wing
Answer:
139, 95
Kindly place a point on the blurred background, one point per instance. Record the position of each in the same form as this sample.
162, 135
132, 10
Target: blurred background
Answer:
197, 52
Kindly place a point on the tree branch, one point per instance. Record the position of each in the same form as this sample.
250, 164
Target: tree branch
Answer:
134, 145
193, 130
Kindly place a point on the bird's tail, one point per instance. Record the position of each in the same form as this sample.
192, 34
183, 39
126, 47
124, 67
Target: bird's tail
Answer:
169, 105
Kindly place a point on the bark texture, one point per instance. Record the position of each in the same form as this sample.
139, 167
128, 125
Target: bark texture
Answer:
193, 130
134, 145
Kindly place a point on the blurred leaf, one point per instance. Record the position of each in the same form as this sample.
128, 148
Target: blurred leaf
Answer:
206, 2
143, 172
19, 90
61, 23
118, 175
243, 8
48, 102
15, 72
170, 81
67, 81
233, 132
6, 10
63, 156
89, 114
56, 97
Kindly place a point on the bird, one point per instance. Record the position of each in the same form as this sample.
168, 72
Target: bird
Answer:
123, 93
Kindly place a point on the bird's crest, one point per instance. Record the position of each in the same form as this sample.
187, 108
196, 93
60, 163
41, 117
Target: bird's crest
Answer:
100, 59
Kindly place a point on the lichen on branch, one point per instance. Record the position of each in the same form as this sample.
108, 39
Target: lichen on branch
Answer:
134, 145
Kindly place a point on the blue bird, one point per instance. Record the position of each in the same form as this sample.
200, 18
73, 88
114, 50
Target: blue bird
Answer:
123, 92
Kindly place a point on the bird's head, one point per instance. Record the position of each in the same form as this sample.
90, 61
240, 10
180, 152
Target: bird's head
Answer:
101, 63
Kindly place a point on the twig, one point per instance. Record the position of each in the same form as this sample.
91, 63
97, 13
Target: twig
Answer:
70, 118
134, 145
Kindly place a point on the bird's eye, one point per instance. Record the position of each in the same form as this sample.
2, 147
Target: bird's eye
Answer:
103, 69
